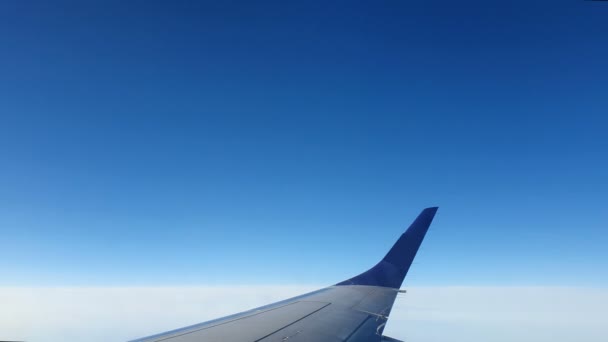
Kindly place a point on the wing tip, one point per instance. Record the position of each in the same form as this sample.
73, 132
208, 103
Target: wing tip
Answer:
430, 210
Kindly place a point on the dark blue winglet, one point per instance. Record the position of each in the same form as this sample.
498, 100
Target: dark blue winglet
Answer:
391, 270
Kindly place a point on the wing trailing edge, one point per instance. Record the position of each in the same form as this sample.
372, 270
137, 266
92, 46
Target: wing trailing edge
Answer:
393, 268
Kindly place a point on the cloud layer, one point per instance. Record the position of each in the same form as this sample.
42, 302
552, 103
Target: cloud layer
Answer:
425, 314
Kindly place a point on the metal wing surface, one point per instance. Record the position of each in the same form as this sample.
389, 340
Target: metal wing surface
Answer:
355, 310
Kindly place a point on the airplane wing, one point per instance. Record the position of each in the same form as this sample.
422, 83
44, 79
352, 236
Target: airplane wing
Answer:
355, 310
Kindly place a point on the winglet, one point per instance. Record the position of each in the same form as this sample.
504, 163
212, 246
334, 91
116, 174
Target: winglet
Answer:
391, 270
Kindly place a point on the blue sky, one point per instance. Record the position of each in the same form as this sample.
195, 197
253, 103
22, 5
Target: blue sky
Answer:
291, 143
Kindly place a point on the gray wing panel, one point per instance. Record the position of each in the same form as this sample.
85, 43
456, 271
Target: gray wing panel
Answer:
335, 314
249, 328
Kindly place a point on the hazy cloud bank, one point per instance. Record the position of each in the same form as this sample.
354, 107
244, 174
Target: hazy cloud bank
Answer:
424, 314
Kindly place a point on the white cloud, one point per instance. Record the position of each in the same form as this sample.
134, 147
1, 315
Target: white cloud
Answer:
422, 315
501, 314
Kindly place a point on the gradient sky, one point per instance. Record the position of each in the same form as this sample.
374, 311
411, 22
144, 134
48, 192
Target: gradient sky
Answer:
275, 142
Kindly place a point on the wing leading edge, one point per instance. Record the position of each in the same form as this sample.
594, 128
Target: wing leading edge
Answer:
355, 310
